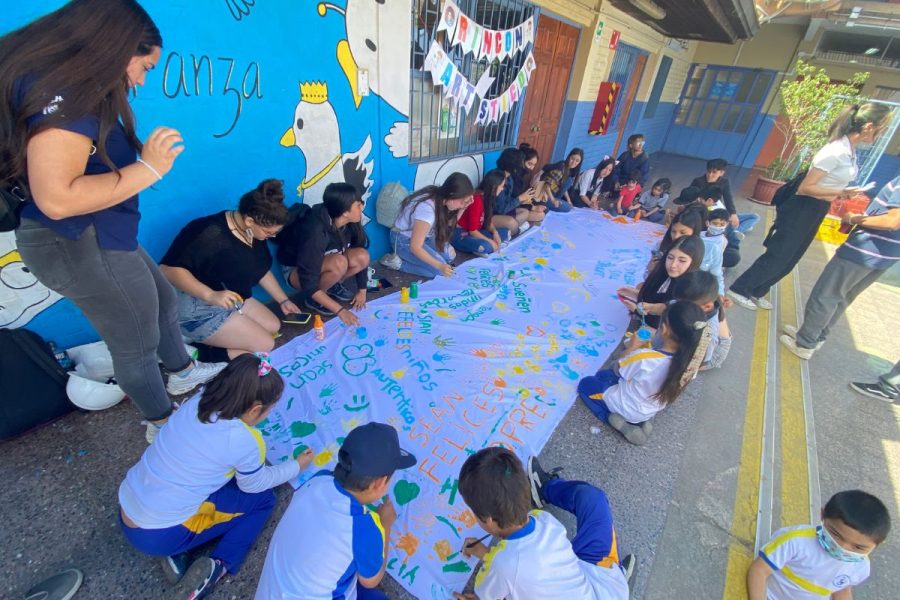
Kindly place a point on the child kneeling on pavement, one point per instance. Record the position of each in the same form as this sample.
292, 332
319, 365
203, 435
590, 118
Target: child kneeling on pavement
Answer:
646, 380
535, 559
205, 477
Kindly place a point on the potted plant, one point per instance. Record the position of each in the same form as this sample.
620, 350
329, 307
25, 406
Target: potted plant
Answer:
809, 104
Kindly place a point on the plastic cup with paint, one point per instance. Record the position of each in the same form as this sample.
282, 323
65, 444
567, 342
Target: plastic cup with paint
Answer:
404, 295
644, 334
414, 290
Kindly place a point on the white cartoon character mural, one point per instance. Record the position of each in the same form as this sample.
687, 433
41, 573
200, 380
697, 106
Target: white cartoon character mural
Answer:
376, 44
22, 296
316, 133
434, 173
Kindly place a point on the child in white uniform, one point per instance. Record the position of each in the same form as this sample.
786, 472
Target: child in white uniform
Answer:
205, 477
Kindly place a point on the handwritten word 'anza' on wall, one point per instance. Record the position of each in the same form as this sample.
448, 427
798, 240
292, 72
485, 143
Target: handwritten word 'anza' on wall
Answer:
182, 77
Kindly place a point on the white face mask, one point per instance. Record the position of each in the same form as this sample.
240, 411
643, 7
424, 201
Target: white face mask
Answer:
716, 229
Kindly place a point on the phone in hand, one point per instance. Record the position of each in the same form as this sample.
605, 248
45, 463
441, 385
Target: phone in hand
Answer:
628, 295
297, 318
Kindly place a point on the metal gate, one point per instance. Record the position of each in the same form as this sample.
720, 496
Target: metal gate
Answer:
720, 112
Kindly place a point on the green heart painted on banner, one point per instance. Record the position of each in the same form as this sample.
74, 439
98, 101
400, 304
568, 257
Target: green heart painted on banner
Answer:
300, 450
405, 492
302, 428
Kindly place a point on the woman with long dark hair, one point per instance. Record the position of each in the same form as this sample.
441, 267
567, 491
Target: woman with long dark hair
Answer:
558, 179
798, 217
216, 260
590, 183
67, 132
475, 231
421, 233
324, 248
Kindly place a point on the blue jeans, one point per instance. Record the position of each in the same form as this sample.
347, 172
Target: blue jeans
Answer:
595, 539
124, 296
466, 242
412, 263
746, 222
563, 207
237, 534
591, 389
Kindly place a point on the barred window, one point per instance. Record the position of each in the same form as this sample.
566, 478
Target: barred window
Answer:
437, 126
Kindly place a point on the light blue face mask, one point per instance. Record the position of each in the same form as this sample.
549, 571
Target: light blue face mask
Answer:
715, 229
830, 546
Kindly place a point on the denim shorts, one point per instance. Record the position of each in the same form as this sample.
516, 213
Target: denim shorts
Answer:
286, 273
199, 320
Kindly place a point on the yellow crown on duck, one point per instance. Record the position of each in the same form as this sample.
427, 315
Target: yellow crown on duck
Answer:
314, 92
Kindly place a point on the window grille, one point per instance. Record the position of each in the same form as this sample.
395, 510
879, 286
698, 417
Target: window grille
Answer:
437, 127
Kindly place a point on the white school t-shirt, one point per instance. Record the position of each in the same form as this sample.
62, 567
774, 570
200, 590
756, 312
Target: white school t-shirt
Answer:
838, 160
324, 541
803, 570
641, 376
538, 563
189, 460
423, 211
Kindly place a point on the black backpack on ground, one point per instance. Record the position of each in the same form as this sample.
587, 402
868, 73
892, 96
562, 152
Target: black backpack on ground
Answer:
32, 384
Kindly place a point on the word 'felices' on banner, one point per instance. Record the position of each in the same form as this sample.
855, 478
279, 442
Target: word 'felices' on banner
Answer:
490, 356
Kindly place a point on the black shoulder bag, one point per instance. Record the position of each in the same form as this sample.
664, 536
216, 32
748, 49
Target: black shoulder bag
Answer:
12, 196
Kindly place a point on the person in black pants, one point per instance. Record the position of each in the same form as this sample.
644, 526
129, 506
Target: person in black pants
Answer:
798, 217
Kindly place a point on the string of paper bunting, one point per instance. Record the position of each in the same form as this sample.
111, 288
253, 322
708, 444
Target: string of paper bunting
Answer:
483, 42
457, 87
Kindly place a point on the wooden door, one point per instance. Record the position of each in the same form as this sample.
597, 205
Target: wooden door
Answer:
627, 100
554, 51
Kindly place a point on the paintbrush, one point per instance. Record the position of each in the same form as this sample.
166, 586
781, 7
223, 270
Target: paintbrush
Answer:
471, 545
238, 305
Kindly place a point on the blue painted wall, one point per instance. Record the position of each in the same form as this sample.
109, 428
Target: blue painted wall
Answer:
573, 130
230, 80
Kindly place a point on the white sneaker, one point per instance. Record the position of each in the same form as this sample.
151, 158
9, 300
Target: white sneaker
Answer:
792, 330
739, 235
200, 373
791, 344
763, 303
392, 261
742, 300
152, 431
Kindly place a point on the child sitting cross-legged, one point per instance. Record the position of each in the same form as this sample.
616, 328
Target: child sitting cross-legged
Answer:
328, 544
628, 193
534, 558
805, 562
475, 231
646, 380
651, 204
205, 477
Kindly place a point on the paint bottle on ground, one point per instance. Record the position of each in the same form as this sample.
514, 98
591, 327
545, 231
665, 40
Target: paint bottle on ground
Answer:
404, 295
318, 328
414, 290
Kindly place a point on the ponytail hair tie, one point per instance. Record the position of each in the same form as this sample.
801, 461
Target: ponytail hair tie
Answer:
265, 367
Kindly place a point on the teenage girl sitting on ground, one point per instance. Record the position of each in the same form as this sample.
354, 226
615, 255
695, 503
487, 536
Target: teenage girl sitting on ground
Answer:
646, 380
689, 222
215, 262
325, 247
650, 298
475, 232
512, 207
590, 183
206, 478
558, 179
423, 228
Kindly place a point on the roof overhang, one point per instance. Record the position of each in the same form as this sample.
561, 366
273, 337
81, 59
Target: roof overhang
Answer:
723, 21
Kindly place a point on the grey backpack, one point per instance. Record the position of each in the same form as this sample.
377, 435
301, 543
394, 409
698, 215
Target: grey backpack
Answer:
387, 206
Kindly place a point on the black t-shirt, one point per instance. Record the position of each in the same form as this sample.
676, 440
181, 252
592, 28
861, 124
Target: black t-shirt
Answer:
723, 184
305, 243
207, 248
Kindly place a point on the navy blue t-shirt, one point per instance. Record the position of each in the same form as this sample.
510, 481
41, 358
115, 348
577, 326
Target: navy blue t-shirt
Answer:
117, 225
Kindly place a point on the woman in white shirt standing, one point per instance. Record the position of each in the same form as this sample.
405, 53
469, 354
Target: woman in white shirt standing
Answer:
798, 217
423, 228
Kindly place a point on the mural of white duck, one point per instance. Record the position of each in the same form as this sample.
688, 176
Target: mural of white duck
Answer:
316, 133
377, 44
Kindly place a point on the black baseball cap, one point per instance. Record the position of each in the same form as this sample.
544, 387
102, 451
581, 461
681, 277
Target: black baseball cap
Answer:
687, 196
374, 450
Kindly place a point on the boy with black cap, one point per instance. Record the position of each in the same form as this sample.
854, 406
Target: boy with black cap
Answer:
328, 544
688, 196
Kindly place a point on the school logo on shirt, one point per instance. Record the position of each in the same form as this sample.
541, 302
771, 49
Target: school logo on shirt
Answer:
841, 581
53, 106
